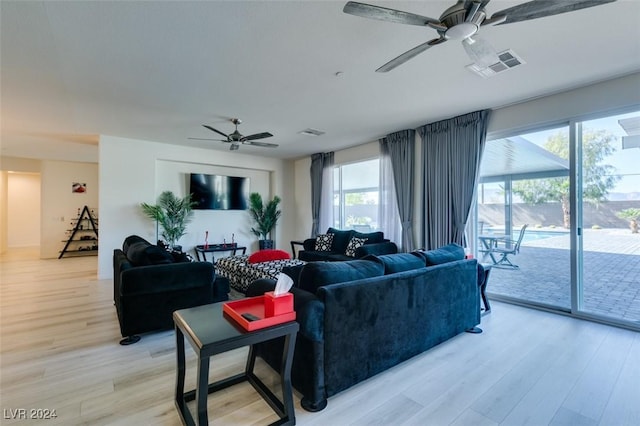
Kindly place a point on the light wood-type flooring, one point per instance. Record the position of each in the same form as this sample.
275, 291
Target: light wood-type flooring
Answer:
60, 351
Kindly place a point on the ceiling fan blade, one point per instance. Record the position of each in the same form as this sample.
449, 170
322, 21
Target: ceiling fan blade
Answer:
409, 55
214, 130
474, 6
541, 8
256, 136
262, 144
205, 139
385, 14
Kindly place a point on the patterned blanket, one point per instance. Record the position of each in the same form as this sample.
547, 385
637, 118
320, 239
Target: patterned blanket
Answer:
241, 273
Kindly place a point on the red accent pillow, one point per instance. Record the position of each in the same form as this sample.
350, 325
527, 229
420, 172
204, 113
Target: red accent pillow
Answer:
267, 255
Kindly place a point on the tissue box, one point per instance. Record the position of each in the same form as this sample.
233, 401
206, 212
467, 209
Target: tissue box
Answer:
277, 305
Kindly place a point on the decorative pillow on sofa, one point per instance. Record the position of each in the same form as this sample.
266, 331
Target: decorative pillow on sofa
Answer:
372, 237
267, 255
318, 274
354, 243
340, 239
181, 257
144, 254
324, 242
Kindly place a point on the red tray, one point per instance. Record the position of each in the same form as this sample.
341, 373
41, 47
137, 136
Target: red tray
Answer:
255, 306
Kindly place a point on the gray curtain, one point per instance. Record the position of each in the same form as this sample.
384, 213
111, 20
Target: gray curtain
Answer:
451, 154
319, 162
400, 148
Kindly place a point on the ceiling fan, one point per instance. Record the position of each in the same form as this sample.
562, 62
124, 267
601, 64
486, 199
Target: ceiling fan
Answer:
236, 139
463, 20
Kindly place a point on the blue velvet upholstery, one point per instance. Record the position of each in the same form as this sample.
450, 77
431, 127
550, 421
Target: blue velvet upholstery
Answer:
398, 262
375, 244
444, 254
352, 330
146, 294
317, 274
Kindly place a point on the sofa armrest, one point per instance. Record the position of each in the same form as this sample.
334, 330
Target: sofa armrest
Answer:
376, 249
166, 278
309, 244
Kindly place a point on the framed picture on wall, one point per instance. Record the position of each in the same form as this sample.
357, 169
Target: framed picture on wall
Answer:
78, 188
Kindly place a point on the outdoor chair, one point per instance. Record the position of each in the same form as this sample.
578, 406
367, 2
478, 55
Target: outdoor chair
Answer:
505, 247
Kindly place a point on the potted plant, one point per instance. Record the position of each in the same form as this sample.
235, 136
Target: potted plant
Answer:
633, 216
173, 214
265, 217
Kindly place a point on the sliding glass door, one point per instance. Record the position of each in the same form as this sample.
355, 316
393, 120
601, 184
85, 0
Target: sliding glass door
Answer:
524, 183
608, 157
577, 190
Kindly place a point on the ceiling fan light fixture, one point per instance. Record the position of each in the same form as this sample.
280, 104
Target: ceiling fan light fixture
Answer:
480, 51
234, 147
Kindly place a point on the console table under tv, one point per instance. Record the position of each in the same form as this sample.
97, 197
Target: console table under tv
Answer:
213, 248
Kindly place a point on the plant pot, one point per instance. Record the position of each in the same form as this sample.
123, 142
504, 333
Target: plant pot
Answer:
265, 244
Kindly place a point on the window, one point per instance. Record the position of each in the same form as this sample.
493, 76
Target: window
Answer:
356, 195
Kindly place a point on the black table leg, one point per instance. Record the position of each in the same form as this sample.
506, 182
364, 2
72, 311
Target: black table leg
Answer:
180, 373
285, 376
202, 390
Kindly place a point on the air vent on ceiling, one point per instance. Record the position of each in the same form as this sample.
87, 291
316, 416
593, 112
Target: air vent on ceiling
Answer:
311, 132
507, 60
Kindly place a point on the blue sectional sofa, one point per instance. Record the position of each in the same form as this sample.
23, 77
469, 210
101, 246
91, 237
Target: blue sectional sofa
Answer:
360, 317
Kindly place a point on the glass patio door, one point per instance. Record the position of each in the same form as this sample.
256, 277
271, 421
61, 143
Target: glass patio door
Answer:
608, 215
524, 180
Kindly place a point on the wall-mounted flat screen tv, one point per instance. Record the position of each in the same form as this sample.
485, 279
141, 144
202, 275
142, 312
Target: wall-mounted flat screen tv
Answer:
215, 192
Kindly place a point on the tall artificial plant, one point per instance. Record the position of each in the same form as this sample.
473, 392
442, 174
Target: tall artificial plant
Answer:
172, 213
264, 216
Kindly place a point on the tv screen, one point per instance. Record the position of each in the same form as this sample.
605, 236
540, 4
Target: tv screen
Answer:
214, 192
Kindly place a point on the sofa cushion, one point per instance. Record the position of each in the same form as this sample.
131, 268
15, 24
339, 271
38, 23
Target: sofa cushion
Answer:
267, 255
354, 243
444, 254
130, 240
144, 254
398, 262
324, 242
317, 274
340, 239
372, 237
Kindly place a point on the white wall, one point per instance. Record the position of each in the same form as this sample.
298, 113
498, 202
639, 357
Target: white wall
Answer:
135, 171
60, 205
596, 99
4, 209
23, 210
221, 224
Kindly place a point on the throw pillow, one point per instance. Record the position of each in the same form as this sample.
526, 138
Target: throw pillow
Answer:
267, 255
354, 243
324, 242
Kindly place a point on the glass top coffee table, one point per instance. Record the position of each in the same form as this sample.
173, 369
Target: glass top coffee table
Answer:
210, 332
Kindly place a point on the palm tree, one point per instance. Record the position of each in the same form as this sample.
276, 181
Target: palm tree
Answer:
265, 217
173, 214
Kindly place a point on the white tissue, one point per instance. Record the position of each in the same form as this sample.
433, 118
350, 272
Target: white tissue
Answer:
283, 284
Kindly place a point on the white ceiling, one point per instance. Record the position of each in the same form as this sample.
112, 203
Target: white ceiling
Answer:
159, 70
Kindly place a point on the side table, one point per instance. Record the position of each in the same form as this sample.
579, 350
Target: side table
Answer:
213, 248
211, 332
483, 288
